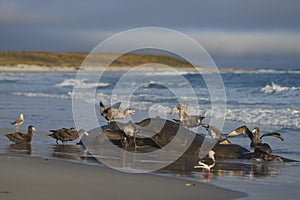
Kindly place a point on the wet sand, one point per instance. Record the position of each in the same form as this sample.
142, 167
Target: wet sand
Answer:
35, 178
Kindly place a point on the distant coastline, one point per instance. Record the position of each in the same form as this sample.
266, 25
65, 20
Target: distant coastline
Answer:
52, 61
72, 61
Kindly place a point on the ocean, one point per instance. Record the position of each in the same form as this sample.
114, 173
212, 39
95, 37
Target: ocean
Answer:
268, 99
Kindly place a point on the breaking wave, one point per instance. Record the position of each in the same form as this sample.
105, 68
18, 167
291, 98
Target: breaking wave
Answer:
285, 117
259, 71
44, 95
275, 88
81, 83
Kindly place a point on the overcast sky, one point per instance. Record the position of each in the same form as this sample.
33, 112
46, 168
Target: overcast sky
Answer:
236, 33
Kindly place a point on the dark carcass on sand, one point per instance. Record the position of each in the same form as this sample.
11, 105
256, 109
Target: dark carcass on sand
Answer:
160, 133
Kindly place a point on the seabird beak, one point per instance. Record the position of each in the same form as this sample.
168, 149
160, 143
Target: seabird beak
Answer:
86, 133
205, 126
33, 129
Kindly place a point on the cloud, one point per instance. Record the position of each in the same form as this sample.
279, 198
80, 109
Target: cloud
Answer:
14, 13
229, 30
228, 48
250, 43
119, 14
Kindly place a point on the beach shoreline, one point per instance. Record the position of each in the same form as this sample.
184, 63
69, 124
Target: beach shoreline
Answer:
36, 68
35, 178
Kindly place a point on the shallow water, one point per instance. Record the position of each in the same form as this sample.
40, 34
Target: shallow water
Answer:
252, 99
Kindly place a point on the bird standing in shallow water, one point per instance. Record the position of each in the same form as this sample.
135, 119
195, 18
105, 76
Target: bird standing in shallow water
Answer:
114, 112
22, 138
207, 163
65, 135
18, 122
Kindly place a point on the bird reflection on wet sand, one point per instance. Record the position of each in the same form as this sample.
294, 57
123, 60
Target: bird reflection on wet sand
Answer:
69, 152
248, 169
239, 168
23, 149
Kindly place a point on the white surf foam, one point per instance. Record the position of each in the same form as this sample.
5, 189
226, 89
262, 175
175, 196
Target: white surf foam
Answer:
275, 88
81, 83
285, 117
168, 73
44, 95
260, 71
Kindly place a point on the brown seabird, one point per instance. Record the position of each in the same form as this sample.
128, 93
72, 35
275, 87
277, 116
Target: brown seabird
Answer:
254, 136
22, 138
261, 150
184, 118
114, 112
65, 135
216, 134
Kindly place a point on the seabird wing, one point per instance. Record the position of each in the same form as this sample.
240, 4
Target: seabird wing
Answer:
207, 161
60, 133
144, 133
173, 110
116, 105
241, 130
215, 133
273, 134
263, 147
64, 132
71, 132
224, 141
17, 122
58, 130
102, 108
115, 113
15, 136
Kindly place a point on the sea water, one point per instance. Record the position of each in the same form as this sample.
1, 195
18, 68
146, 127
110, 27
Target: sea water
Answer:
269, 99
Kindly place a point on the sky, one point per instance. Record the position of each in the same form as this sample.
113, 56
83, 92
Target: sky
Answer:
236, 33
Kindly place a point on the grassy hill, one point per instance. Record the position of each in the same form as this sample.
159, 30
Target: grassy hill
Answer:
75, 59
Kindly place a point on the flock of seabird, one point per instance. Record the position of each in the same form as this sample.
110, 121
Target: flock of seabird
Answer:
64, 134
261, 150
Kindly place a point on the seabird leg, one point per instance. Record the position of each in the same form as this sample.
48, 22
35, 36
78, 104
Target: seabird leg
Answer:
135, 146
203, 173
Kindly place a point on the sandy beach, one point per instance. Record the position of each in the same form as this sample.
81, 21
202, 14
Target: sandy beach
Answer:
34, 178
36, 68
